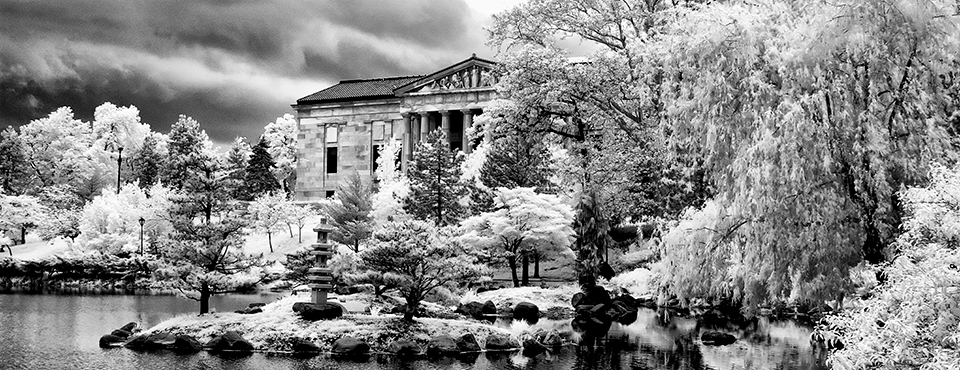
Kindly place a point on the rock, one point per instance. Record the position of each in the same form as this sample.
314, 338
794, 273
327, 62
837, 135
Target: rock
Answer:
606, 271
110, 340
468, 343
257, 304
578, 299
559, 313
230, 341
121, 333
403, 348
130, 327
501, 342
532, 348
526, 311
715, 338
305, 347
552, 339
489, 308
597, 295
647, 302
186, 344
322, 311
153, 341
472, 310
254, 310
627, 300
350, 346
442, 345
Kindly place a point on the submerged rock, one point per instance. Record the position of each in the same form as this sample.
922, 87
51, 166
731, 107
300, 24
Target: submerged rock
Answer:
489, 308
110, 340
501, 342
130, 327
153, 341
305, 347
186, 343
121, 333
403, 348
472, 310
442, 345
468, 343
230, 341
350, 346
715, 338
552, 339
532, 348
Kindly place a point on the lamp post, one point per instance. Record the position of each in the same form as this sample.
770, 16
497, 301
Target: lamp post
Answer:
119, 161
141, 221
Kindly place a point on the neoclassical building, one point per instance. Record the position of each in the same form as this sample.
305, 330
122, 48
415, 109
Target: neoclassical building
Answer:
342, 127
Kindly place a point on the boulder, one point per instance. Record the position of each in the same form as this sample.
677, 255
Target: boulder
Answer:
715, 338
468, 343
305, 347
153, 341
471, 309
489, 308
110, 340
526, 311
442, 345
323, 311
121, 333
532, 348
257, 304
403, 348
350, 346
597, 294
130, 327
501, 342
627, 300
186, 344
230, 341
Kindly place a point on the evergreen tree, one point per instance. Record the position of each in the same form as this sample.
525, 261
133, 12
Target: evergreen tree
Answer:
435, 187
186, 155
259, 178
351, 214
516, 161
237, 159
13, 164
148, 162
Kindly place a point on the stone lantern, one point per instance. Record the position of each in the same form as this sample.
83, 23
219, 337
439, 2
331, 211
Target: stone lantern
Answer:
321, 276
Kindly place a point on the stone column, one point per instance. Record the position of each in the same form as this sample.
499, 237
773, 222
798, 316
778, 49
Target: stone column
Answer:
407, 149
424, 125
445, 123
467, 124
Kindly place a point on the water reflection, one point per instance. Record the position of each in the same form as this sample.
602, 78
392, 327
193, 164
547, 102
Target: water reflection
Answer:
61, 331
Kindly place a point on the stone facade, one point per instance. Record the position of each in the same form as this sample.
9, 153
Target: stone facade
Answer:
341, 127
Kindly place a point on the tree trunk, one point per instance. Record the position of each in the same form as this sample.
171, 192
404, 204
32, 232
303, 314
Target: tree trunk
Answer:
526, 270
204, 298
23, 235
512, 261
412, 305
270, 241
300, 235
356, 246
290, 227
377, 290
536, 265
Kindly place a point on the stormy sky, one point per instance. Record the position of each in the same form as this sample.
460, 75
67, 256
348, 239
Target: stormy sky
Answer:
234, 65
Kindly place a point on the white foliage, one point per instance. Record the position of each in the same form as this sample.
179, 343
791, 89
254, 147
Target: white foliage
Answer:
281, 138
111, 221
394, 187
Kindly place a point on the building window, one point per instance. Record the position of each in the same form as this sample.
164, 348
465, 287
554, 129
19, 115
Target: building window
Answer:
378, 131
330, 193
332, 160
376, 156
331, 134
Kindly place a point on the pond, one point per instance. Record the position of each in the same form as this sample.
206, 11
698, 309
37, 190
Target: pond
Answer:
60, 331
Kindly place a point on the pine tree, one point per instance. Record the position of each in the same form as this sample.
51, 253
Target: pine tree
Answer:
237, 159
259, 178
351, 214
148, 162
185, 153
516, 161
435, 187
13, 166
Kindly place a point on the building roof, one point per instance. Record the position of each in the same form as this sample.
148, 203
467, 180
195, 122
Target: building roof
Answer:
359, 89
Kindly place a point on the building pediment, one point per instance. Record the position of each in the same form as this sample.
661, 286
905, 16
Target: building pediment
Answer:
473, 73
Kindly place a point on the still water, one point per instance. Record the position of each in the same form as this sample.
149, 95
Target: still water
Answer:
60, 331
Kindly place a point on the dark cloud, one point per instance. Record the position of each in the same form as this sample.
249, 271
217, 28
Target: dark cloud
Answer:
233, 65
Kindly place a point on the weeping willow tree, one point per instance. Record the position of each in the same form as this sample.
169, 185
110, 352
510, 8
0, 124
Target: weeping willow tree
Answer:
811, 116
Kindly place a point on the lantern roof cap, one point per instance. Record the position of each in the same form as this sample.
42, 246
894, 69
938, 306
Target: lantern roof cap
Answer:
324, 226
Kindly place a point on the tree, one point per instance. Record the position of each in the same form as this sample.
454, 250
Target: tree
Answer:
348, 268
149, 161
62, 210
110, 222
186, 156
522, 223
516, 161
19, 213
202, 259
58, 150
269, 211
14, 177
420, 258
435, 187
237, 159
281, 138
259, 178
350, 212
910, 320
298, 215
387, 202
824, 126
